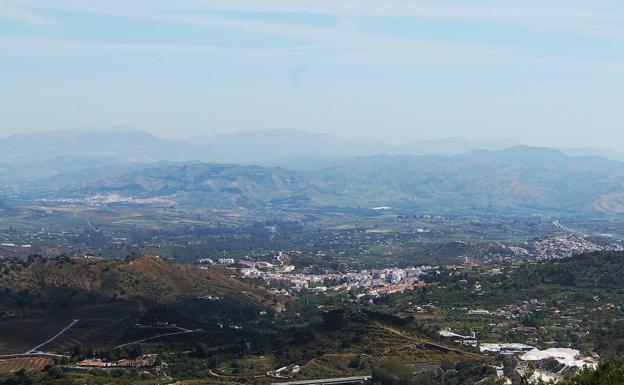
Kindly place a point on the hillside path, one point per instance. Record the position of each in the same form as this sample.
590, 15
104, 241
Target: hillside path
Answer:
36, 348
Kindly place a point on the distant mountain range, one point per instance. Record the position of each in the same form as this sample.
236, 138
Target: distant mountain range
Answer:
123, 144
119, 144
74, 157
302, 169
252, 147
518, 179
210, 184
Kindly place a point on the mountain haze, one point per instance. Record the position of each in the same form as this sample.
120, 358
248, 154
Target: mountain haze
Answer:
212, 184
247, 147
518, 179
118, 143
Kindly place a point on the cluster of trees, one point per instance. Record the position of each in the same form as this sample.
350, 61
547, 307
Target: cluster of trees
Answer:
599, 270
55, 375
610, 372
52, 374
463, 372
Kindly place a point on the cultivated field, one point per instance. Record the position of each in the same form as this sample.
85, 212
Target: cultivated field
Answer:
27, 363
99, 325
17, 337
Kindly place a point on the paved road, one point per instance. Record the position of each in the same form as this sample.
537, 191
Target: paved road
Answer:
36, 348
327, 381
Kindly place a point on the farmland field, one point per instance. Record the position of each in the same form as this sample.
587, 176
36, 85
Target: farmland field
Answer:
18, 337
27, 363
99, 325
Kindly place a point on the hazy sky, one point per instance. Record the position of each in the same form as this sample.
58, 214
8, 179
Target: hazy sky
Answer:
543, 72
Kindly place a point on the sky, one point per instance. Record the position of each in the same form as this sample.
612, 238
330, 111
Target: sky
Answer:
548, 72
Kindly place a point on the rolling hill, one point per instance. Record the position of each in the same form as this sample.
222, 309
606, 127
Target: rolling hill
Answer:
517, 179
140, 276
41, 296
49, 285
211, 184
304, 169
597, 270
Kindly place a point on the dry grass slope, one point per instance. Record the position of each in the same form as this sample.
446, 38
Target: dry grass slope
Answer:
141, 276
28, 363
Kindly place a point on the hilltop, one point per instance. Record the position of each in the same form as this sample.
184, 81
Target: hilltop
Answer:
105, 301
78, 281
591, 271
138, 276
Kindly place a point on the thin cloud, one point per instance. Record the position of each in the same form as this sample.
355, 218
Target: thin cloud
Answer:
577, 17
342, 40
37, 45
9, 12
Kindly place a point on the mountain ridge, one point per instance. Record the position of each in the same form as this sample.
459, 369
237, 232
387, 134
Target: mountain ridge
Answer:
518, 178
140, 276
243, 147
